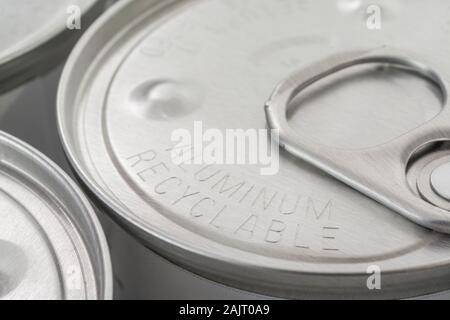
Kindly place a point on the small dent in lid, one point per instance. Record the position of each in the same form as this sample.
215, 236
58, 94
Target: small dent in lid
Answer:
165, 99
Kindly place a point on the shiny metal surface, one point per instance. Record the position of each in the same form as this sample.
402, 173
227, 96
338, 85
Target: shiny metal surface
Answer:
440, 180
51, 243
425, 186
378, 172
149, 67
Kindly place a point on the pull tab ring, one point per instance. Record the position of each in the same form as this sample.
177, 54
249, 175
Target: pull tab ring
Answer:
378, 172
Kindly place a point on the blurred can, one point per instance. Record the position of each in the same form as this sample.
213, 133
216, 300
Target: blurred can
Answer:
36, 37
51, 242
149, 69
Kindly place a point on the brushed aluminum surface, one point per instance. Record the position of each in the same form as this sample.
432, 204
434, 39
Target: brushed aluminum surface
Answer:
147, 68
440, 180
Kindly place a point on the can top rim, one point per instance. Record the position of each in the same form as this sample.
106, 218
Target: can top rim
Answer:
69, 256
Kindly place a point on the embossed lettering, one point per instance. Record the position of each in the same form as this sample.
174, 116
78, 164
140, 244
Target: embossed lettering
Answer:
266, 203
214, 220
153, 170
275, 232
206, 177
142, 157
298, 243
326, 211
159, 187
248, 227
226, 188
187, 194
289, 211
329, 235
198, 213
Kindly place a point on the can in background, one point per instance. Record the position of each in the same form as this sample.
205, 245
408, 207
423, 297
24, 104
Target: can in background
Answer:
36, 37
52, 245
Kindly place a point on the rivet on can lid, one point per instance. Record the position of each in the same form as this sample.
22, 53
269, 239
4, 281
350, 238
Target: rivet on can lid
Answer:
440, 180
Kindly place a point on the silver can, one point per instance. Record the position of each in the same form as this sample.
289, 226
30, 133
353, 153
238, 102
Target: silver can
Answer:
36, 37
51, 242
147, 69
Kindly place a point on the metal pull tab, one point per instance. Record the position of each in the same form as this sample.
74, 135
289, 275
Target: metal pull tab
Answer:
378, 172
